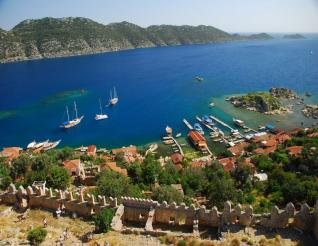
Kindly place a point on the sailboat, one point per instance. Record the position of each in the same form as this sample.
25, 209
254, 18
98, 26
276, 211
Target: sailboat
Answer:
101, 116
70, 123
113, 99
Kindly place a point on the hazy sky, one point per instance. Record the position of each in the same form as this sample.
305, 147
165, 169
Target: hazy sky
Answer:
229, 15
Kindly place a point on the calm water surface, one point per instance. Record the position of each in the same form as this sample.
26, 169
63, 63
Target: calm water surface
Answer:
155, 87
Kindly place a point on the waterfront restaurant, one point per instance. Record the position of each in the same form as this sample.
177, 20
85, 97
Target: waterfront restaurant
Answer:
197, 140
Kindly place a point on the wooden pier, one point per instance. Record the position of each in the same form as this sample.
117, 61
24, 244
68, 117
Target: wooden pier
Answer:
176, 144
221, 122
187, 124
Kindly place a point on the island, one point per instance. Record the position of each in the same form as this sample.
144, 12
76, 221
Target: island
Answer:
58, 37
294, 36
265, 102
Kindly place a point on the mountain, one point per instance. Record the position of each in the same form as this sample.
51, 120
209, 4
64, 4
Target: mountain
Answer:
294, 36
56, 37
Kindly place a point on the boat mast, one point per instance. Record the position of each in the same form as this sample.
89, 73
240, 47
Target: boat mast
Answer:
75, 108
100, 106
111, 95
115, 93
68, 117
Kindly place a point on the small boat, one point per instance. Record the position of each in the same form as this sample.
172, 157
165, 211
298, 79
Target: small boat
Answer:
168, 141
198, 128
113, 98
308, 94
212, 104
178, 135
207, 120
168, 130
101, 116
40, 144
31, 145
238, 122
71, 123
198, 78
235, 132
52, 145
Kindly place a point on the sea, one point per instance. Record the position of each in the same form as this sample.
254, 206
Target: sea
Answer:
156, 88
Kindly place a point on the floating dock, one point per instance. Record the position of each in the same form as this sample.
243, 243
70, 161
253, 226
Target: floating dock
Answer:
187, 124
176, 144
221, 122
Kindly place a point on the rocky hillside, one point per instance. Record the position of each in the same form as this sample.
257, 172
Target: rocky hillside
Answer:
52, 37
294, 36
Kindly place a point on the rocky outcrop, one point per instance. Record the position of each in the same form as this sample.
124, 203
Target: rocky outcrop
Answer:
57, 37
283, 93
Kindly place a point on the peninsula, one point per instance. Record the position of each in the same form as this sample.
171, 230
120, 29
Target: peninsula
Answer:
58, 37
294, 36
265, 102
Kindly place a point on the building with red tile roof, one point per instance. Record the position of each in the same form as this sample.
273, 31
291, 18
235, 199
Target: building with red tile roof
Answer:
197, 163
91, 150
294, 150
228, 163
113, 166
73, 167
11, 152
197, 139
176, 158
132, 150
313, 135
238, 149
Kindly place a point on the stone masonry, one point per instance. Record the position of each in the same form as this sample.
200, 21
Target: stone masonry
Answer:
152, 215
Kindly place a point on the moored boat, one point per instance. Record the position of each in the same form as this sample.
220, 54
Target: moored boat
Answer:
113, 98
31, 145
199, 78
168, 130
198, 128
52, 145
207, 120
101, 116
40, 144
238, 122
71, 123
178, 135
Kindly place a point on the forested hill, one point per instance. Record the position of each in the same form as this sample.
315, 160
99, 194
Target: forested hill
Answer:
55, 37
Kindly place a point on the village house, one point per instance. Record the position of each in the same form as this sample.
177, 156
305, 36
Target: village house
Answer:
197, 140
228, 163
91, 150
73, 167
294, 150
238, 149
113, 167
176, 159
11, 152
130, 154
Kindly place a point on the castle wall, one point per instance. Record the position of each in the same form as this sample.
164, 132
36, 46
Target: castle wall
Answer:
149, 212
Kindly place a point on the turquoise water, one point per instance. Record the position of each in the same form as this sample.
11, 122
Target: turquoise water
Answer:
155, 87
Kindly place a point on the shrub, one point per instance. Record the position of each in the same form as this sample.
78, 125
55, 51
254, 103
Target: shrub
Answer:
103, 220
182, 243
37, 235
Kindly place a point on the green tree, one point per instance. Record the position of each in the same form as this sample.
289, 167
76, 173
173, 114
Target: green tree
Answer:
37, 236
103, 220
167, 193
219, 187
20, 166
169, 175
110, 183
58, 178
42, 162
242, 175
151, 169
5, 178
36, 176
193, 180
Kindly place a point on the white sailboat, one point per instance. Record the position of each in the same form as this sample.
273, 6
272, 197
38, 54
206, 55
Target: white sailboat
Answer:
31, 145
70, 123
113, 98
101, 116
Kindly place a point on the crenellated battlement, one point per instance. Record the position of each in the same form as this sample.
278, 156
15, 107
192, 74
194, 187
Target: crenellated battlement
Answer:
84, 205
154, 214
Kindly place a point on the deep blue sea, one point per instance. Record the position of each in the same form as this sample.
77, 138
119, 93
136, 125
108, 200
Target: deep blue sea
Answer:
156, 87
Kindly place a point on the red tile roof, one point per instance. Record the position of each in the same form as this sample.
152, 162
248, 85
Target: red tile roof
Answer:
196, 137
228, 164
126, 150
11, 152
91, 150
238, 149
201, 164
313, 135
113, 166
294, 150
72, 165
176, 158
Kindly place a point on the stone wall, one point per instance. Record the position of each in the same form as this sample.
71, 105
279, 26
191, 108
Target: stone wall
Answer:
151, 213
34, 197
